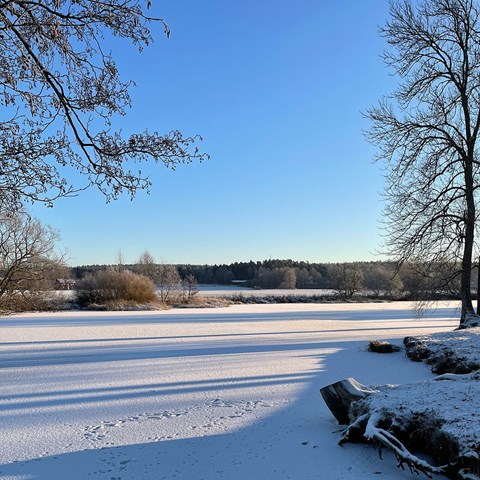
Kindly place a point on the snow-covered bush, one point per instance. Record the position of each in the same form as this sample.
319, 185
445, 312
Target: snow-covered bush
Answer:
447, 352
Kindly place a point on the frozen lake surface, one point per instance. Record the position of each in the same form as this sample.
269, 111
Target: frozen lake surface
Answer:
229, 290
210, 394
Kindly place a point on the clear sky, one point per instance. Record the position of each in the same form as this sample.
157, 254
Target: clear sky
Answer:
276, 88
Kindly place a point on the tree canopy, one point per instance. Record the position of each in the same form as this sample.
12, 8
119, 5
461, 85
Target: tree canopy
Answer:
60, 88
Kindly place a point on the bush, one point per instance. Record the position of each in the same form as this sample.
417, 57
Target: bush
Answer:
110, 286
378, 346
15, 302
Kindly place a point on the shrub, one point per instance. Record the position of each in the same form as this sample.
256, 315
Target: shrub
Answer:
378, 346
32, 301
110, 286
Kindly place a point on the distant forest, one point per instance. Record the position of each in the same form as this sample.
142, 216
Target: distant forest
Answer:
376, 278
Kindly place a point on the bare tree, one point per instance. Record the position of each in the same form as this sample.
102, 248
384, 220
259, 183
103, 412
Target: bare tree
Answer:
168, 282
147, 266
190, 288
120, 265
59, 89
348, 279
165, 277
28, 261
284, 277
427, 132
289, 280
303, 278
380, 280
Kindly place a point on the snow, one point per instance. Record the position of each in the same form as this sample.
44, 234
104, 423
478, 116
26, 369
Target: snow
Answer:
228, 393
454, 402
229, 290
464, 343
353, 388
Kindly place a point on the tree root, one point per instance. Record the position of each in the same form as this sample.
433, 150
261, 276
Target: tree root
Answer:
475, 375
369, 424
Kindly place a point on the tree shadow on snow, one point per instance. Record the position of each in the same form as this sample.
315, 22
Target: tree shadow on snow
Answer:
295, 440
167, 347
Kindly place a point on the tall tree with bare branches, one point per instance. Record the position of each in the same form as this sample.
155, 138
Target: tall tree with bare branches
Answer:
427, 133
59, 89
29, 262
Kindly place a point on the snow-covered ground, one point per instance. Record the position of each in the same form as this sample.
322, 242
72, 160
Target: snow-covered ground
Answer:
229, 290
208, 394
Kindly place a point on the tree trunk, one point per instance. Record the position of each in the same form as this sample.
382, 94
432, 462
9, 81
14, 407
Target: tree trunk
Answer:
465, 288
340, 395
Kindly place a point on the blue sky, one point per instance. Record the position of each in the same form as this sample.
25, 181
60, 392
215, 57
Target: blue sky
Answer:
276, 89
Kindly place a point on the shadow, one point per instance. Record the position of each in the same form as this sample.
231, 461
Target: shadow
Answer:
293, 439
210, 457
163, 388
41, 358
77, 398
35, 357
219, 316
213, 336
219, 425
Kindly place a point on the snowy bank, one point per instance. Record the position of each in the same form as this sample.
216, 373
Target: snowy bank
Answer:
453, 352
438, 418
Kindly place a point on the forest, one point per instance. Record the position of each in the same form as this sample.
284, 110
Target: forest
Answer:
408, 281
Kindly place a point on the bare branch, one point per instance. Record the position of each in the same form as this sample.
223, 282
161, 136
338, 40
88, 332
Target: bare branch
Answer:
59, 91
427, 134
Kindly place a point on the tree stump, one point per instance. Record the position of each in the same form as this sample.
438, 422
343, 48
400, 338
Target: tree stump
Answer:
340, 395
376, 425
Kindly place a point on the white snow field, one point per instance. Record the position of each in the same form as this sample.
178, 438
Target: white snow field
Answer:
229, 290
229, 393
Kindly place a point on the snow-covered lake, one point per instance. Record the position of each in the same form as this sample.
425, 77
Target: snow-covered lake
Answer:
208, 394
229, 290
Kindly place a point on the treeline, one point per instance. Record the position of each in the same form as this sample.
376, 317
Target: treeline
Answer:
265, 274
412, 280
